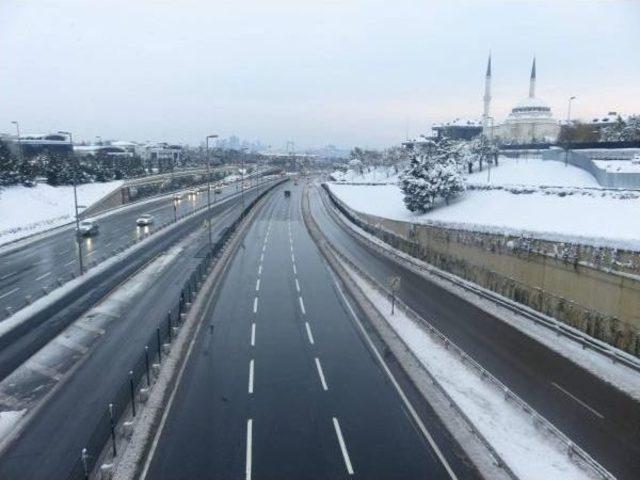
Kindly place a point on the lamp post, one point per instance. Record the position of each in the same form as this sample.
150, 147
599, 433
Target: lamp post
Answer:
566, 150
75, 201
17, 124
244, 151
209, 187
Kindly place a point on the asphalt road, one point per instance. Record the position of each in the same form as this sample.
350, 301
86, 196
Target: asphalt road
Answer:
595, 415
50, 445
284, 384
26, 269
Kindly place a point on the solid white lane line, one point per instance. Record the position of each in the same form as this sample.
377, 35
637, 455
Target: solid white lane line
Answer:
396, 385
255, 305
258, 285
576, 399
260, 269
321, 374
343, 447
249, 448
43, 276
9, 292
295, 272
297, 286
253, 334
309, 334
251, 376
304, 312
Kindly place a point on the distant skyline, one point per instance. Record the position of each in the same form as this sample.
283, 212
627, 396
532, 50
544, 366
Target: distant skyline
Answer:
315, 72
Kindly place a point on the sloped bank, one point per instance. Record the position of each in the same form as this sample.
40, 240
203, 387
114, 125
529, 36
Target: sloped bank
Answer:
543, 275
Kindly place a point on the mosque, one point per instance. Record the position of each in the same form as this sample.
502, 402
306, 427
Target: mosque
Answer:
530, 120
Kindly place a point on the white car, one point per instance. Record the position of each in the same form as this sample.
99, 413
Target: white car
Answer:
87, 228
144, 220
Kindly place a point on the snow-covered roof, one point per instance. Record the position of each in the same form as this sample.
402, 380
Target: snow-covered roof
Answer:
461, 122
531, 102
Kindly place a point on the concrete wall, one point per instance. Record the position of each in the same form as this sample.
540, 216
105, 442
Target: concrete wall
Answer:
577, 158
592, 297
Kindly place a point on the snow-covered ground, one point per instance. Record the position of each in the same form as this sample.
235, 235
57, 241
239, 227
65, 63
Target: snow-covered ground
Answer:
368, 175
590, 218
533, 172
511, 432
619, 166
25, 211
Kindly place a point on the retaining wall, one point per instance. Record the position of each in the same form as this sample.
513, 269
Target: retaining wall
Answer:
558, 280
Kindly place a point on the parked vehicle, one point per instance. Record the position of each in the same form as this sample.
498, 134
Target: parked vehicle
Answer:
144, 220
88, 228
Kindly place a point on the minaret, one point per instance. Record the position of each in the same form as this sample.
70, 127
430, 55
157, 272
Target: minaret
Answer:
487, 94
532, 82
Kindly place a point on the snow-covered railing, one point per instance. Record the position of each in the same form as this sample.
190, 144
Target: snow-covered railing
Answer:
586, 341
576, 453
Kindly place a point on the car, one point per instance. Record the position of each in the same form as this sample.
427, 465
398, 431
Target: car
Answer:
144, 220
177, 197
217, 191
88, 228
287, 193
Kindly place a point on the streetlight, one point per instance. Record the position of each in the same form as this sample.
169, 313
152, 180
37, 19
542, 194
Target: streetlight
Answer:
209, 187
566, 150
75, 201
19, 142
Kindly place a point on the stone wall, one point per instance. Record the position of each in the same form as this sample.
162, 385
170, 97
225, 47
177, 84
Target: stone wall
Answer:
576, 284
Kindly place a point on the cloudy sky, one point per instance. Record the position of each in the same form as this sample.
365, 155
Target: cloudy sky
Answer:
316, 72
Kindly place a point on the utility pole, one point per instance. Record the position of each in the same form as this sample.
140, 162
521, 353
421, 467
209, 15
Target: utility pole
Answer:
566, 150
209, 187
75, 201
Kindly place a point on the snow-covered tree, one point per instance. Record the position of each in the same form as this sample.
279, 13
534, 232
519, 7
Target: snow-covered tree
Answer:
622, 131
9, 166
433, 173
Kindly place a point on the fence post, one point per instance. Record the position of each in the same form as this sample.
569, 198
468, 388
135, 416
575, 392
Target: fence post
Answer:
133, 393
113, 429
159, 345
146, 361
85, 465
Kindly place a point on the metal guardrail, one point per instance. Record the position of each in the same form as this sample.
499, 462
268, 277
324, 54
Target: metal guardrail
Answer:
134, 389
576, 453
560, 328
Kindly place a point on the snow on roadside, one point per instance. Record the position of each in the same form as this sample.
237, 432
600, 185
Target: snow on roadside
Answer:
511, 432
369, 175
25, 211
593, 220
7, 421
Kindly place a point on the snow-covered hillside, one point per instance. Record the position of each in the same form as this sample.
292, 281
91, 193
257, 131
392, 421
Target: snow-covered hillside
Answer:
24, 210
368, 175
575, 215
539, 172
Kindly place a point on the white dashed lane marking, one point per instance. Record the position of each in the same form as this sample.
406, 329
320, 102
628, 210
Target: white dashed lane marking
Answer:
309, 334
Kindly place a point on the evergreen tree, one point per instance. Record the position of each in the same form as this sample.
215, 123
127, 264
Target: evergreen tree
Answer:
9, 166
433, 173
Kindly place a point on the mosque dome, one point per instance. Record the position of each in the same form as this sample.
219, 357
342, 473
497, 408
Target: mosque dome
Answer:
531, 107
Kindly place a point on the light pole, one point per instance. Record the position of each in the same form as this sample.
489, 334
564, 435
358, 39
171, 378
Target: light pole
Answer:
244, 151
209, 187
15, 122
566, 150
75, 201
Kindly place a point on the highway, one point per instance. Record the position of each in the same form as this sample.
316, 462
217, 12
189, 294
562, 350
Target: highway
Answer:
286, 385
598, 417
29, 266
61, 427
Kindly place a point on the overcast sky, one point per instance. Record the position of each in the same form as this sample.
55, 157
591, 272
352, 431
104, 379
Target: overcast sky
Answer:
315, 72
